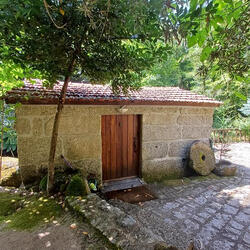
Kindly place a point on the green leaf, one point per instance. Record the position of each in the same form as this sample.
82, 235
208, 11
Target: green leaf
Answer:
205, 53
191, 40
193, 4
218, 86
219, 18
241, 96
201, 37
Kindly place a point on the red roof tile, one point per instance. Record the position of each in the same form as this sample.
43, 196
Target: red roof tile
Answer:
85, 93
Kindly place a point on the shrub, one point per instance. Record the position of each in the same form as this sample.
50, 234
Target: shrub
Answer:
61, 179
43, 183
76, 187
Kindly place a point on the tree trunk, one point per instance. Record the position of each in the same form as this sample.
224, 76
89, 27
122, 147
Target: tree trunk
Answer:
2, 126
53, 143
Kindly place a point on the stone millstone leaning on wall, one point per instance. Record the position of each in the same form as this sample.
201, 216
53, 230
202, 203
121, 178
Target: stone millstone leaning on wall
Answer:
202, 159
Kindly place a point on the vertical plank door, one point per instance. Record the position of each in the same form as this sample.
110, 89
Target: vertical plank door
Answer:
120, 146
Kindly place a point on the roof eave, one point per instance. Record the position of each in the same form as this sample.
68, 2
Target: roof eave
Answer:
54, 101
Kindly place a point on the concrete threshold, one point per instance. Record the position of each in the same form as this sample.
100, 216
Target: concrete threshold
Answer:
116, 185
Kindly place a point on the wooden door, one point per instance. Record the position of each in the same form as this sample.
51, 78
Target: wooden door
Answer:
120, 146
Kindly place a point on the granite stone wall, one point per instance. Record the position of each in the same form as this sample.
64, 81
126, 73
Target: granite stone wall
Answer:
167, 131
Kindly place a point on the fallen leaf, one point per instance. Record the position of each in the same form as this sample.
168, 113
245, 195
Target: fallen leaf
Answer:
41, 235
85, 233
73, 226
62, 11
48, 244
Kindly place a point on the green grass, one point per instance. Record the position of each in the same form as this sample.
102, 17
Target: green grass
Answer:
8, 204
23, 213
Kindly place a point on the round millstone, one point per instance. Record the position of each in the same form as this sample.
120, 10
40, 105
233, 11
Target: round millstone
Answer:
202, 159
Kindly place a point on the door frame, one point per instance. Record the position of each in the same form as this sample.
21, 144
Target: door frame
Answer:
139, 149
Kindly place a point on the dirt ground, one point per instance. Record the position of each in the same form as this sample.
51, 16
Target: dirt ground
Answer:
65, 234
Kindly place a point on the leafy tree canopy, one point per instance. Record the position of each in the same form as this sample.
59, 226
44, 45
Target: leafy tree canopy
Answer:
221, 28
177, 70
105, 40
113, 41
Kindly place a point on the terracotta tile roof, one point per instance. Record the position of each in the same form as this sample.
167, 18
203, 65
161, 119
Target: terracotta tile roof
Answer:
85, 93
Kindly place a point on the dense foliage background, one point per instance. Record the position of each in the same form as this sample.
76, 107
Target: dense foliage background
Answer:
184, 69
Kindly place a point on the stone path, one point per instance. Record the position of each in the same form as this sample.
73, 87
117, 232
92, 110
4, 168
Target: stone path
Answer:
214, 213
117, 226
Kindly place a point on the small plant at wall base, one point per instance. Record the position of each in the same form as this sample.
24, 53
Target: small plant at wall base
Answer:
76, 187
63, 177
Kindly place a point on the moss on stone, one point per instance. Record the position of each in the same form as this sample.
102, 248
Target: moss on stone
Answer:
203, 178
161, 178
76, 187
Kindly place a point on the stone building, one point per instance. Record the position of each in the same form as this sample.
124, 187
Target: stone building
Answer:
145, 134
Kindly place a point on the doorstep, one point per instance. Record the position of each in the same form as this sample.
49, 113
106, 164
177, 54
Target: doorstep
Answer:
115, 185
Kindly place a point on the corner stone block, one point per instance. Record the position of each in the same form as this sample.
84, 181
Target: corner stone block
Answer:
188, 120
190, 132
35, 151
208, 120
196, 110
73, 124
179, 148
157, 170
94, 124
164, 110
206, 132
29, 173
48, 125
23, 126
160, 133
38, 110
89, 166
37, 126
77, 148
160, 119
75, 109
69, 125
154, 150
